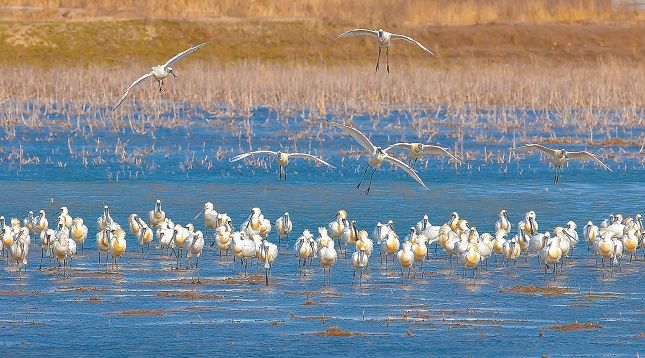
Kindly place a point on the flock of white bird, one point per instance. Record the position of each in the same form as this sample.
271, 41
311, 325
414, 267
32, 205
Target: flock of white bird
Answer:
614, 238
456, 237
376, 155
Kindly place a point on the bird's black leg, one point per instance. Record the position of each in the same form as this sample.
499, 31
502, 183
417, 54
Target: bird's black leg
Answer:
557, 175
370, 184
387, 59
362, 177
378, 59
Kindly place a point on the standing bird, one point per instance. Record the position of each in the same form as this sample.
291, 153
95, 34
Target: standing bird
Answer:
406, 257
65, 218
223, 238
630, 241
551, 254
210, 218
590, 233
193, 247
282, 159
384, 40
117, 245
471, 257
359, 262
156, 216
104, 222
29, 222
511, 250
560, 156
6, 236
61, 246
419, 150
79, 232
160, 72
268, 254
284, 226
305, 249
145, 235
327, 255
20, 248
503, 223
390, 244
377, 156
336, 228
103, 239
40, 223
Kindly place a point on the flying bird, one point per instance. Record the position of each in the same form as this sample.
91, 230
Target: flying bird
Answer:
418, 150
560, 156
282, 159
384, 40
160, 72
376, 157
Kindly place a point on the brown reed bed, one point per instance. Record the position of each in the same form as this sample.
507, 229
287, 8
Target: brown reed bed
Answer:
580, 95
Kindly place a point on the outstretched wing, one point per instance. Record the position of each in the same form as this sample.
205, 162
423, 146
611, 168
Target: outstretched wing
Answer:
357, 32
437, 150
541, 148
412, 41
309, 157
360, 137
410, 171
584, 155
398, 145
183, 54
135, 83
244, 155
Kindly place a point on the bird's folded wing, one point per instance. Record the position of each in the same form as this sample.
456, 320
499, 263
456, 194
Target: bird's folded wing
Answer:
360, 137
435, 149
587, 156
125, 94
541, 148
398, 145
244, 155
309, 157
357, 32
412, 41
183, 54
397, 163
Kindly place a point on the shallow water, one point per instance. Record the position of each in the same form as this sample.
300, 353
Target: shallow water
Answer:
440, 314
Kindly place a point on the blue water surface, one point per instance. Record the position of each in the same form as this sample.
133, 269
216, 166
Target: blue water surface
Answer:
441, 314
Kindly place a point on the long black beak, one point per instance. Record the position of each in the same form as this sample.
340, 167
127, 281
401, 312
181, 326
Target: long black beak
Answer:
248, 219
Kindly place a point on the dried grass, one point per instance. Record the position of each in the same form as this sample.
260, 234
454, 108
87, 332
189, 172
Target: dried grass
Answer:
585, 96
454, 12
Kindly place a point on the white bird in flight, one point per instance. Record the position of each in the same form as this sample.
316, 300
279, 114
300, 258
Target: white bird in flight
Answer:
282, 159
418, 150
560, 156
160, 72
376, 157
384, 40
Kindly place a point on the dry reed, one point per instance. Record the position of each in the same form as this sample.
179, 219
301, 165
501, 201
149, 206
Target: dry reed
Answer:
593, 94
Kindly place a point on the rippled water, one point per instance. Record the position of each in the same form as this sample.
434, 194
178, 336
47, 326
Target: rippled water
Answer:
93, 311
